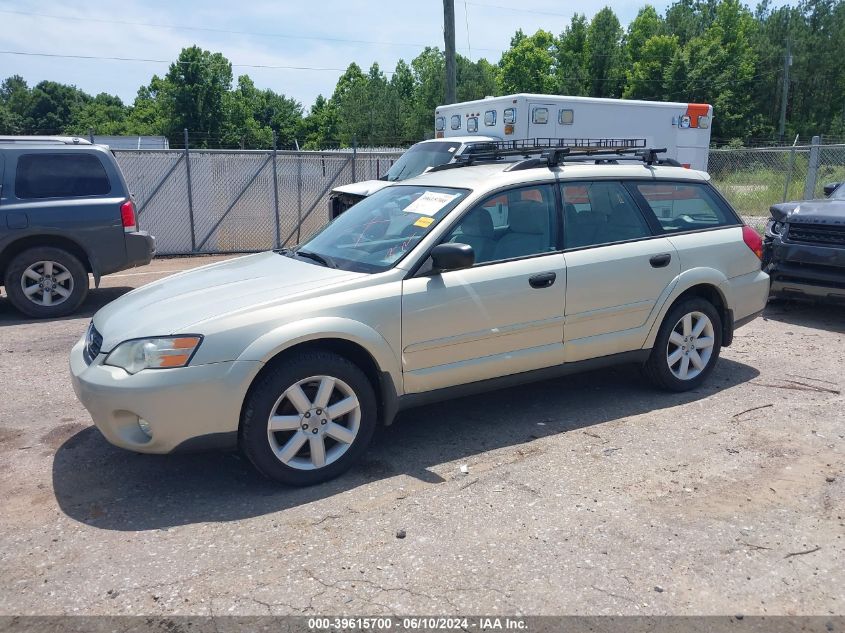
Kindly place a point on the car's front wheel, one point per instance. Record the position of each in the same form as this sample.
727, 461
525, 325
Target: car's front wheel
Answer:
687, 346
308, 419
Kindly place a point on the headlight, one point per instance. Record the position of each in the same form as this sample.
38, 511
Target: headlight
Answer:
774, 228
154, 353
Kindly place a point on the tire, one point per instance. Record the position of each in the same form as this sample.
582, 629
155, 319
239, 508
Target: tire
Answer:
290, 454
661, 369
67, 280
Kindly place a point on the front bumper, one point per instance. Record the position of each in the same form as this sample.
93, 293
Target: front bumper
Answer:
805, 269
192, 407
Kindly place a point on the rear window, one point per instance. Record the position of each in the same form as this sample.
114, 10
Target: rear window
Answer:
685, 206
60, 176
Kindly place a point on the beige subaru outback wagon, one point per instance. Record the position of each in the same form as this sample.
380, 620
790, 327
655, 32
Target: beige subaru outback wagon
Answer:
464, 279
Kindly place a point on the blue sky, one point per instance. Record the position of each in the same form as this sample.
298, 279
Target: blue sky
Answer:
254, 36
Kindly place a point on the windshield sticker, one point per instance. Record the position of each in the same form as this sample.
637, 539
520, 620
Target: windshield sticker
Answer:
430, 203
424, 222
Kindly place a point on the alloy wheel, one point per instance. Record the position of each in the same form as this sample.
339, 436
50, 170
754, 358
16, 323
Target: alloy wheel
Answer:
314, 422
690, 345
47, 283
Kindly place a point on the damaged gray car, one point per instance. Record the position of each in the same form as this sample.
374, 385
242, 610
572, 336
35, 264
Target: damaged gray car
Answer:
804, 247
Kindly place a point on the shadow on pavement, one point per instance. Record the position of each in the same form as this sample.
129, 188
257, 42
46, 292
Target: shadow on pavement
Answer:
813, 314
109, 488
96, 299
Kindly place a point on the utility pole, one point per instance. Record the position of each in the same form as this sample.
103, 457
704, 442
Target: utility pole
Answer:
787, 62
449, 36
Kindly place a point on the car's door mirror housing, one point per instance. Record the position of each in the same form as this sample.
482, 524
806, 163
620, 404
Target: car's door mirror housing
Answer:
830, 187
451, 256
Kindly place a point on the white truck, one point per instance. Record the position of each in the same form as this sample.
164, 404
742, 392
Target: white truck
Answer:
682, 128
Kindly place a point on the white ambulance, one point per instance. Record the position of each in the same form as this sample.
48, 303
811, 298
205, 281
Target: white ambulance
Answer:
682, 128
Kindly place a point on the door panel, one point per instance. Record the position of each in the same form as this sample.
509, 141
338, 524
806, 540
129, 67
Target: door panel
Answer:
482, 322
611, 293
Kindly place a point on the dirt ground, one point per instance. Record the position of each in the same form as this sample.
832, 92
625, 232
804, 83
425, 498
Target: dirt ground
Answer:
591, 494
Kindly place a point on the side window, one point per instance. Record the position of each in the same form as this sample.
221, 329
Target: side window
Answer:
540, 115
684, 206
600, 212
566, 117
60, 176
515, 223
456, 122
472, 124
490, 118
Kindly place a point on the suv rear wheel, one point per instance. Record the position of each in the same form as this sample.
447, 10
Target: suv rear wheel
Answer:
309, 419
687, 346
46, 282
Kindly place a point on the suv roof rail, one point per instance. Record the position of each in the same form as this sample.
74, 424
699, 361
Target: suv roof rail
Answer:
45, 140
554, 151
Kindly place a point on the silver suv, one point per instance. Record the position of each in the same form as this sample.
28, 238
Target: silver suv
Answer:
461, 280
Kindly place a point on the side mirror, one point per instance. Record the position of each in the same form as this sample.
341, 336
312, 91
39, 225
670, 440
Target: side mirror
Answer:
830, 188
451, 256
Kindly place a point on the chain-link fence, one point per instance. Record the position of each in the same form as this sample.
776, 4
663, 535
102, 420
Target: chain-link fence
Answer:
754, 179
217, 201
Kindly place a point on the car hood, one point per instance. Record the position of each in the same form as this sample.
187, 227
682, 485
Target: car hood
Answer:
364, 188
176, 304
825, 211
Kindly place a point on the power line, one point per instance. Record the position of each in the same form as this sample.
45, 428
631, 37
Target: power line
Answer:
517, 10
183, 27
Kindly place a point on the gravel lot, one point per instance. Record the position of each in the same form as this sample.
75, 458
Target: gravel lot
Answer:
592, 494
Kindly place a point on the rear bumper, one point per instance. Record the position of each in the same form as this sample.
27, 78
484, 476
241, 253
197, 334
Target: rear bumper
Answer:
806, 270
140, 248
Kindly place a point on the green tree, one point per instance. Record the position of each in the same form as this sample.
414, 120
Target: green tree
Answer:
194, 92
648, 78
646, 25
571, 72
604, 47
104, 114
528, 65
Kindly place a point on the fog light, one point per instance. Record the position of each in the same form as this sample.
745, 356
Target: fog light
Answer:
145, 428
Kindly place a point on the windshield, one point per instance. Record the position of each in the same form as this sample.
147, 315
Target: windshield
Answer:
419, 158
378, 231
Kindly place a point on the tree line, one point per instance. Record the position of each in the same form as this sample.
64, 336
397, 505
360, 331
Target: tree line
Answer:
715, 51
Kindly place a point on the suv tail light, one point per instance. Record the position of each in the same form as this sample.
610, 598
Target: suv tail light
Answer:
753, 240
127, 216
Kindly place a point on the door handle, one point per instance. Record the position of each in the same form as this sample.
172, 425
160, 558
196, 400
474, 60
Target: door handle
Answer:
660, 261
543, 280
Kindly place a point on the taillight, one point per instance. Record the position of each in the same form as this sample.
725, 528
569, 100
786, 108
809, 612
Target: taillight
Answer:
127, 216
753, 240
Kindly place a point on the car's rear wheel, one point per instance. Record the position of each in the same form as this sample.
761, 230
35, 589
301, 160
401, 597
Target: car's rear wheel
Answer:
687, 346
309, 419
46, 282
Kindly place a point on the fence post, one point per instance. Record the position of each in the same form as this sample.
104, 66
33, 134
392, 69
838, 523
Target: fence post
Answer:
276, 192
812, 170
298, 197
788, 180
190, 194
91, 134
354, 159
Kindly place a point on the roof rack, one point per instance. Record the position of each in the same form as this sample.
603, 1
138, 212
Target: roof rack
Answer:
553, 151
49, 140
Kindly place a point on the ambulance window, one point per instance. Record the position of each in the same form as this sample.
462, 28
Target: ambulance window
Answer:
566, 117
540, 115
472, 124
490, 117
439, 123
456, 121
509, 115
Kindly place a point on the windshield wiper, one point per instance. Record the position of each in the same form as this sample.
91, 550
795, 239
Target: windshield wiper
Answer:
320, 259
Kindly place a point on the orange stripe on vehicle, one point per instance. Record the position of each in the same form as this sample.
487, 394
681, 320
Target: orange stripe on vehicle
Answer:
695, 110
188, 342
177, 360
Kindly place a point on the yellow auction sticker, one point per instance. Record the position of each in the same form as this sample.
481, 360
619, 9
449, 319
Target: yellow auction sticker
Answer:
424, 222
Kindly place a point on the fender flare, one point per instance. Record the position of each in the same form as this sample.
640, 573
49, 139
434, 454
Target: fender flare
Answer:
683, 282
276, 341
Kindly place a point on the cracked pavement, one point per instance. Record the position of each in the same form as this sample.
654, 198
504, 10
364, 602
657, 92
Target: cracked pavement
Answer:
592, 494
